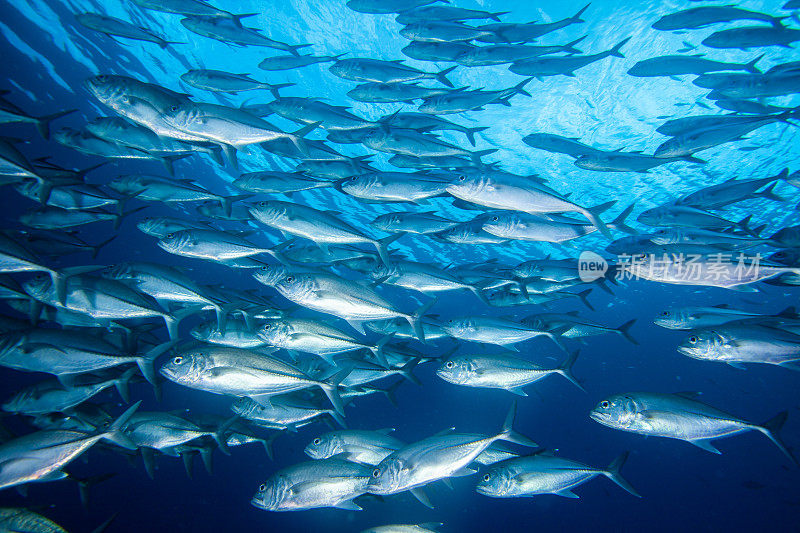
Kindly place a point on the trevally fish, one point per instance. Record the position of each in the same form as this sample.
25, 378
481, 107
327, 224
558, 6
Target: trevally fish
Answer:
228, 82
294, 61
244, 373
377, 71
737, 343
359, 446
114, 27
232, 32
393, 92
545, 473
492, 330
680, 417
567, 65
412, 222
677, 65
527, 32
753, 37
189, 8
699, 17
499, 54
701, 317
41, 456
437, 457
426, 51
462, 100
313, 484
347, 299
500, 371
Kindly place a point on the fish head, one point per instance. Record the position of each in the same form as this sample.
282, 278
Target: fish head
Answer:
789, 257
358, 185
107, 88
459, 326
457, 370
386, 222
176, 241
704, 344
496, 483
665, 236
204, 331
276, 332
246, 408
270, 275
125, 184
467, 185
185, 367
38, 287
296, 286
271, 493
619, 411
268, 212
185, 116
152, 226
501, 224
388, 476
119, 271
652, 217
670, 319
325, 446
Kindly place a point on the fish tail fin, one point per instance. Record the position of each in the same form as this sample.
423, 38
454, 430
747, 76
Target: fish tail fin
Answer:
145, 362
86, 483
293, 48
43, 123
441, 76
619, 222
751, 66
222, 430
476, 156
584, 296
624, 330
613, 473
771, 429
616, 50
114, 432
566, 369
275, 88
298, 137
693, 159
215, 153
381, 244
207, 455
520, 88
102, 527
164, 44
377, 350
237, 19
188, 463
594, 217
570, 47
497, 14
267, 444
331, 389
121, 384
470, 133
96, 249
474, 289
415, 320
769, 194
406, 371
576, 18
119, 217
169, 161
509, 434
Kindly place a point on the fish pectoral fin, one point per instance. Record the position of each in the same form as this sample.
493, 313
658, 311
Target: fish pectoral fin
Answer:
461, 472
566, 493
357, 325
518, 391
261, 399
447, 482
53, 476
349, 505
30, 347
705, 445
419, 494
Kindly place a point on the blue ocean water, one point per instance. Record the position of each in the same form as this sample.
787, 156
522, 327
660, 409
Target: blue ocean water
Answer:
46, 57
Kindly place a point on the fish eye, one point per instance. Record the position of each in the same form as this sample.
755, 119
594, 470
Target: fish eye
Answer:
604, 404
376, 472
317, 441
664, 313
693, 339
262, 204
487, 477
449, 364
267, 326
495, 218
170, 236
289, 279
462, 178
174, 107
178, 360
102, 77
262, 487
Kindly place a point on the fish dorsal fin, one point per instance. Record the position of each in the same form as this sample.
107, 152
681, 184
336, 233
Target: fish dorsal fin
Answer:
722, 306
444, 432
385, 431
689, 395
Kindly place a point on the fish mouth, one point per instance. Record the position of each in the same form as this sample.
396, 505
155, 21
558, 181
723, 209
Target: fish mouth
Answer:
689, 352
167, 373
598, 417
485, 491
256, 502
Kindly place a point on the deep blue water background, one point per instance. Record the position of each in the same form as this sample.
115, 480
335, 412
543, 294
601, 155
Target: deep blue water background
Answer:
46, 56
